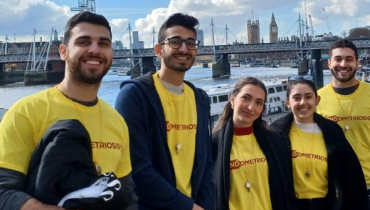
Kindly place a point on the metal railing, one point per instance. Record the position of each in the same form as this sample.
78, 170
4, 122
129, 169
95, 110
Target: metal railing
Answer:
207, 50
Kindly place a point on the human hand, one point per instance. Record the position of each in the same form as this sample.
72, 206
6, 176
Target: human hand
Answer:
196, 207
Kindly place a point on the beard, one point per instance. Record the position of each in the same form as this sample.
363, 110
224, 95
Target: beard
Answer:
334, 72
85, 75
170, 62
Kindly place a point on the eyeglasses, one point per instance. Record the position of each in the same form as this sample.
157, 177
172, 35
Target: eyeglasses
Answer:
176, 42
300, 77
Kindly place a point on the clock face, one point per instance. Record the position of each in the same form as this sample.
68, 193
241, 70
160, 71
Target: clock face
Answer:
274, 29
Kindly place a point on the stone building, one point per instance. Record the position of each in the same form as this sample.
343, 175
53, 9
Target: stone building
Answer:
253, 28
273, 30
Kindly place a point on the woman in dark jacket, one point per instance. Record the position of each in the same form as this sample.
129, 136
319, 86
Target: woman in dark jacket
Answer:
252, 165
327, 173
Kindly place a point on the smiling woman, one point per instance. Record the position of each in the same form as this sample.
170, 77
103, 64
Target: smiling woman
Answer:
252, 164
318, 147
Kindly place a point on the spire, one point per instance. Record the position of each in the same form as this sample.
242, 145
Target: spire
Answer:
273, 16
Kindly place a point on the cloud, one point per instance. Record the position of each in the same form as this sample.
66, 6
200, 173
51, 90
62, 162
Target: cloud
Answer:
20, 17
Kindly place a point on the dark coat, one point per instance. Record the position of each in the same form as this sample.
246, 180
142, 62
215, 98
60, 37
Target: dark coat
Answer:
62, 163
347, 187
153, 172
279, 166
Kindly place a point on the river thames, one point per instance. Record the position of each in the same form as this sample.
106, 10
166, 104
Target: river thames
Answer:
200, 77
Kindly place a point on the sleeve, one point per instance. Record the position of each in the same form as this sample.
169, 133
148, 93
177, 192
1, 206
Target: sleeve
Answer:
125, 162
151, 188
16, 141
291, 197
207, 191
130, 198
352, 179
11, 185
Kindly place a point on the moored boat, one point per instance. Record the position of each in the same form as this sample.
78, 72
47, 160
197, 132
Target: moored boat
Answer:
219, 96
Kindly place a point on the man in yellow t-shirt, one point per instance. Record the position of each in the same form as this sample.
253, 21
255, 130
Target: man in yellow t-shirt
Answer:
88, 54
346, 101
168, 121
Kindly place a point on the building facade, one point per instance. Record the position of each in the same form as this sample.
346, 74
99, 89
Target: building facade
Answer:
253, 28
200, 37
273, 30
136, 43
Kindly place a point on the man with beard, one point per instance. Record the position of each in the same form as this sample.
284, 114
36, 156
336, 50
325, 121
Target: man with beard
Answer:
88, 54
346, 101
168, 121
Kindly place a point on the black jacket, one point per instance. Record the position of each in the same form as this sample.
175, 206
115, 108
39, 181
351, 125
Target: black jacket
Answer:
152, 168
347, 187
279, 166
62, 163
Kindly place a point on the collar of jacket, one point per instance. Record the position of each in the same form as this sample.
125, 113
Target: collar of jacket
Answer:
331, 131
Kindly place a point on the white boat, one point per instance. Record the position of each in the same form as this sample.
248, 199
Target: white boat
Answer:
124, 71
112, 72
233, 65
219, 96
363, 73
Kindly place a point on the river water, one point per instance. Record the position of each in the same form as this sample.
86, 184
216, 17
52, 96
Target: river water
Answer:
200, 77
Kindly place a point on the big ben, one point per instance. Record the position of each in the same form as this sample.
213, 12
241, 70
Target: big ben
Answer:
273, 30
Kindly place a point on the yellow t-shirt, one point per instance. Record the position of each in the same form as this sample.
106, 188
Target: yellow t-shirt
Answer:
310, 163
248, 164
26, 122
352, 111
181, 121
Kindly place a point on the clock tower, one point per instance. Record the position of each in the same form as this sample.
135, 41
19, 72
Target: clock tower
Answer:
273, 30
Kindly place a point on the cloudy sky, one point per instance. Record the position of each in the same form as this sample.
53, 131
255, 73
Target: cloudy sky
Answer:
18, 18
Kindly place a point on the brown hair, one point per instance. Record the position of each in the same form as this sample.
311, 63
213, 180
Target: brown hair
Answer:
85, 17
228, 111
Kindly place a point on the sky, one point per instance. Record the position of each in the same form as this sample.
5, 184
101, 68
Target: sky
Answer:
19, 18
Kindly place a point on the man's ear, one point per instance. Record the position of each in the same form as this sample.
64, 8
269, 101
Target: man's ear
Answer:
63, 52
158, 50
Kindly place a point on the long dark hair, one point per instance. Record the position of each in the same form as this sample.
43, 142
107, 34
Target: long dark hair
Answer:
228, 111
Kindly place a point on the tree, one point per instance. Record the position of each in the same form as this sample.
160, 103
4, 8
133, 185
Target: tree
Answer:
359, 33
344, 34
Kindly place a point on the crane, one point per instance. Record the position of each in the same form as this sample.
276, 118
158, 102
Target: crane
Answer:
311, 25
327, 20
305, 14
85, 5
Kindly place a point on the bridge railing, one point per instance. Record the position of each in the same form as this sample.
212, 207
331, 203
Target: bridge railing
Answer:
209, 50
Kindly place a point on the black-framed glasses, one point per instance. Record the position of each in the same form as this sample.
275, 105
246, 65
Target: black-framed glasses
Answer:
176, 42
300, 77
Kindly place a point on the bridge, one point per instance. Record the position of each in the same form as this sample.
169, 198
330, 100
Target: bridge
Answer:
146, 55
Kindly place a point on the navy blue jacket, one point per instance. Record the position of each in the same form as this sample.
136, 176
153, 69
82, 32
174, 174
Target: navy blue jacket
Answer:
152, 168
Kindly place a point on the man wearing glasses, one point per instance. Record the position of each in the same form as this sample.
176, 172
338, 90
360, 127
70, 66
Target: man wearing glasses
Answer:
168, 121
346, 101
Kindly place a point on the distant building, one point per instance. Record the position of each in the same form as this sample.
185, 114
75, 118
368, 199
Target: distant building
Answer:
117, 45
141, 45
273, 30
253, 28
200, 36
136, 43
55, 39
